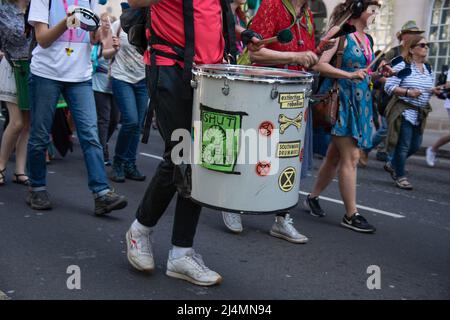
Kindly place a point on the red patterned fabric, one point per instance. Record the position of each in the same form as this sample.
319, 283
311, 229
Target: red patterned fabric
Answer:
272, 17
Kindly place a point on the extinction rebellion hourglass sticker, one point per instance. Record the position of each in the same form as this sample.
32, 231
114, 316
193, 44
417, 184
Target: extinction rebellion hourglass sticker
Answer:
220, 135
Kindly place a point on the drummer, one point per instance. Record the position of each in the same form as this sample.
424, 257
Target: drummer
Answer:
272, 17
204, 42
61, 65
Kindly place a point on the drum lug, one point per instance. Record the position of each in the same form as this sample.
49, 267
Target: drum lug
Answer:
194, 84
274, 92
226, 88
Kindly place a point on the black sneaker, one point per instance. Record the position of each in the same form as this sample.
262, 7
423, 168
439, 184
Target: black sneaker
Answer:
312, 205
117, 172
132, 173
358, 223
109, 202
39, 200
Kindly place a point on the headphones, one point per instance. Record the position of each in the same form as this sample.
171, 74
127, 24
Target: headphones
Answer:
357, 8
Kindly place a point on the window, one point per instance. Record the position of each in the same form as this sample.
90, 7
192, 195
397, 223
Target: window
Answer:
320, 18
439, 35
381, 30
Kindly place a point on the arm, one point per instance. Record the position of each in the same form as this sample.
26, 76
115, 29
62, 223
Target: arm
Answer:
392, 86
111, 44
142, 3
45, 36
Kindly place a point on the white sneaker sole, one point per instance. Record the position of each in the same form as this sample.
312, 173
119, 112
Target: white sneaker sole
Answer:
284, 237
234, 230
191, 280
357, 229
131, 261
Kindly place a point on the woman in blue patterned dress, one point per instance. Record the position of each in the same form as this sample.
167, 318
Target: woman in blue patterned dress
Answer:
353, 128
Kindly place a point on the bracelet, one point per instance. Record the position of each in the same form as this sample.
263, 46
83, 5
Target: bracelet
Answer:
406, 93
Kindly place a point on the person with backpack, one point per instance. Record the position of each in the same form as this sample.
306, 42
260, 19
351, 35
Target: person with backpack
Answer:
432, 151
353, 128
408, 30
14, 68
61, 65
273, 16
181, 32
130, 91
407, 112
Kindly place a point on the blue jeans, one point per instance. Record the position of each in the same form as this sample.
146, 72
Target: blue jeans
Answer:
409, 141
379, 136
44, 95
132, 100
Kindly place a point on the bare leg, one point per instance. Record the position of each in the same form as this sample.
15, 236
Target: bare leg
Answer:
11, 134
347, 172
442, 141
21, 146
327, 171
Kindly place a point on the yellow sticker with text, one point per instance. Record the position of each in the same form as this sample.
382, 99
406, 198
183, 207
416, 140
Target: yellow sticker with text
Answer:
288, 149
291, 100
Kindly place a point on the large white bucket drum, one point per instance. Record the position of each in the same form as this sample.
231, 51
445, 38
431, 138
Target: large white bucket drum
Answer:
248, 137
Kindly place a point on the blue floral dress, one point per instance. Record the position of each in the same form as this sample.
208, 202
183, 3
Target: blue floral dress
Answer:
355, 99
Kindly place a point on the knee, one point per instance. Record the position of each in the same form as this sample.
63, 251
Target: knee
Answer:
16, 126
333, 161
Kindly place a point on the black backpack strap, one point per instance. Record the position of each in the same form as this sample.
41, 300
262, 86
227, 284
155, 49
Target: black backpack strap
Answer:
189, 50
229, 32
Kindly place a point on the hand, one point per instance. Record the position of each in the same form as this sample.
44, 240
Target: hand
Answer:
358, 74
72, 22
116, 43
325, 45
386, 70
251, 39
306, 59
437, 90
414, 93
255, 45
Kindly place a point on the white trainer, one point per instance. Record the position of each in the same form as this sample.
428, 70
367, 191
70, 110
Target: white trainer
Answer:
283, 228
191, 267
431, 157
232, 221
139, 250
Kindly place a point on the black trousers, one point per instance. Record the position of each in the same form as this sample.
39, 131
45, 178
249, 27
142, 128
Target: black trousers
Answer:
107, 118
173, 111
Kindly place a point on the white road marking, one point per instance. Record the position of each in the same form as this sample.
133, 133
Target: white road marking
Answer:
386, 213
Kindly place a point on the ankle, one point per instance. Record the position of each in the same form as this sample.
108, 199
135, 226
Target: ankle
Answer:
178, 252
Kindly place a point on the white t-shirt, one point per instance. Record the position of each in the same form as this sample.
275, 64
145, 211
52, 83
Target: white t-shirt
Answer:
128, 64
447, 101
53, 62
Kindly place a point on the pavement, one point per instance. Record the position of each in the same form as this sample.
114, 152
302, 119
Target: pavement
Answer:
40, 249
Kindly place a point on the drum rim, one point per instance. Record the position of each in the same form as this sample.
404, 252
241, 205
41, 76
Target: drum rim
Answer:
92, 14
215, 71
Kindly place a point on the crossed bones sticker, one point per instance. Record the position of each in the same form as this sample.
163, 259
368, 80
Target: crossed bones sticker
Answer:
285, 122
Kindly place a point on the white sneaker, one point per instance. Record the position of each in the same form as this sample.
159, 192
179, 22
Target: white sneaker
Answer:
283, 228
192, 268
431, 157
232, 221
139, 250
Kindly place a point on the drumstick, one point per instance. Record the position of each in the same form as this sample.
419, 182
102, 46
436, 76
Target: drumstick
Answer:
284, 36
388, 47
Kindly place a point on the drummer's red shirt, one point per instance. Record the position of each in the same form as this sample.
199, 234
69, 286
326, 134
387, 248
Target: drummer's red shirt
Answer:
272, 17
168, 23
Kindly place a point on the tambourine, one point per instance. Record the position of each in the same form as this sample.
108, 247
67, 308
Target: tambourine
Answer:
89, 21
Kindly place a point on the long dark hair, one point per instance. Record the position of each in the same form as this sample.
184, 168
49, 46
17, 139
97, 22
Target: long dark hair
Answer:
343, 8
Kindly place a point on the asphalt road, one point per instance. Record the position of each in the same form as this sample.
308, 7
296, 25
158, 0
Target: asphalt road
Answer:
411, 246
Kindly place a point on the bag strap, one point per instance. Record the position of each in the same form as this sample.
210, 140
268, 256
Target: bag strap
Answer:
339, 58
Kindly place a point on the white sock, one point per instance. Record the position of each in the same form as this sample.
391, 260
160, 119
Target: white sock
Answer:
140, 227
178, 252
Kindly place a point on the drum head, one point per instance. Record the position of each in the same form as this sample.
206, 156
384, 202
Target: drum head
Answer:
89, 21
251, 73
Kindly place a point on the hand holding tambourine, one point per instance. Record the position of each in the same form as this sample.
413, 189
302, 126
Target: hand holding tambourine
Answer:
78, 17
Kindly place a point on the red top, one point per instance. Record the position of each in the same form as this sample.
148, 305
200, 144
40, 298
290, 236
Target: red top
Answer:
272, 17
168, 23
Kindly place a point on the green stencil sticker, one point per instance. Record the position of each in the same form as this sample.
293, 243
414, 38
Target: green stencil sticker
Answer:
220, 139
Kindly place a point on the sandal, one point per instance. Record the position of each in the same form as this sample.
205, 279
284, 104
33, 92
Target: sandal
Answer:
2, 177
404, 184
17, 180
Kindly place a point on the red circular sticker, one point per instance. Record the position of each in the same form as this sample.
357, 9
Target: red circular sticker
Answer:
301, 155
263, 168
266, 128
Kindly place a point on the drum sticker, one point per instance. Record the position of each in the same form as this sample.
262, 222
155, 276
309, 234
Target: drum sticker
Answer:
287, 179
266, 128
301, 154
263, 168
291, 100
220, 137
288, 149
285, 122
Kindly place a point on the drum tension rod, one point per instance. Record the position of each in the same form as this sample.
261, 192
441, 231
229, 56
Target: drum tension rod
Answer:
226, 88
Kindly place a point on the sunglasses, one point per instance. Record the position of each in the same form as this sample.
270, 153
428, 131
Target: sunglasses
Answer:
423, 45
